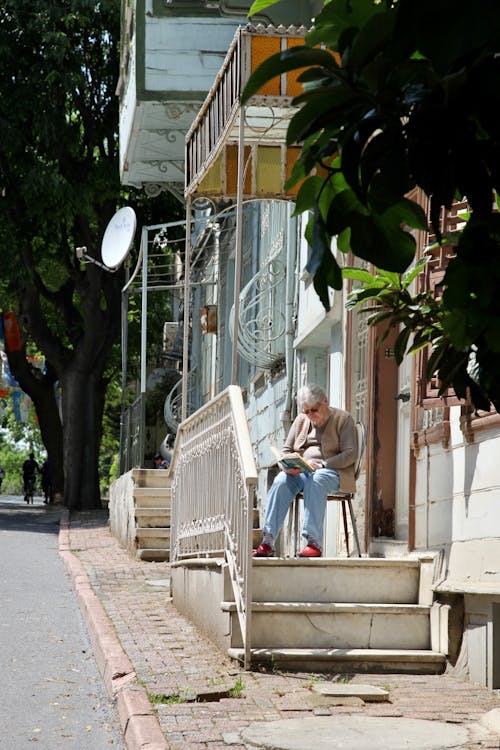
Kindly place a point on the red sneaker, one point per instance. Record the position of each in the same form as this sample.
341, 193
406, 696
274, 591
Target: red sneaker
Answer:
263, 550
310, 551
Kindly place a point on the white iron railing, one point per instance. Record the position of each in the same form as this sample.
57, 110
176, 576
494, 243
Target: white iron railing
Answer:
213, 483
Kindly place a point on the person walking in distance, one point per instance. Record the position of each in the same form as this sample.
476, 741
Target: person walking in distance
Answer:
30, 468
326, 438
46, 472
2, 474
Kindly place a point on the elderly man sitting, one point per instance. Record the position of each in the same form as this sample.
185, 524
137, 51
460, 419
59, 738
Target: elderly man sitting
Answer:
326, 438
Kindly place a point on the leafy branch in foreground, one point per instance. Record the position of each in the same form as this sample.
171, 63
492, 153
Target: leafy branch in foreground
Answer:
420, 321
388, 111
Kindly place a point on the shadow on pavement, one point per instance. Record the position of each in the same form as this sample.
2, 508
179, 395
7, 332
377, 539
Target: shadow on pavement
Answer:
16, 515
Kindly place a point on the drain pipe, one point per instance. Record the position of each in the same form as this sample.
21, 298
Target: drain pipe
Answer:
292, 296
238, 245
187, 295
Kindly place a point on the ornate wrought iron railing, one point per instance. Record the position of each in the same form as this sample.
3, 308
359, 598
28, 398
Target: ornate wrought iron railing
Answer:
263, 319
213, 485
172, 408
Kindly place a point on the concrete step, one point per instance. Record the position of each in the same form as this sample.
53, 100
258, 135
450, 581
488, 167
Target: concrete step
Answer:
363, 580
336, 660
152, 497
153, 555
152, 538
338, 626
151, 477
152, 517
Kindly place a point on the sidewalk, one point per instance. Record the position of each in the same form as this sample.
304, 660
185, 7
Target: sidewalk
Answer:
149, 654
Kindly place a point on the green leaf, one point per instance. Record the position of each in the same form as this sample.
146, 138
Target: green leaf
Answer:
307, 195
379, 317
418, 346
344, 241
321, 288
320, 243
358, 274
346, 15
357, 296
333, 272
408, 278
492, 335
412, 214
327, 276
457, 329
298, 173
435, 359
259, 5
345, 208
283, 62
401, 344
303, 123
479, 397
371, 38
323, 106
392, 278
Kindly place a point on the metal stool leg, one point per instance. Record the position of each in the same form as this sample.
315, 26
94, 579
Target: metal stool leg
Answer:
354, 527
346, 528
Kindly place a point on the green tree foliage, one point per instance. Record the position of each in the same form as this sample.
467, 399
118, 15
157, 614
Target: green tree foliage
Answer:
401, 94
17, 440
59, 187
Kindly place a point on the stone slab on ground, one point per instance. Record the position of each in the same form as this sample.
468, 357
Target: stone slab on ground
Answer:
343, 690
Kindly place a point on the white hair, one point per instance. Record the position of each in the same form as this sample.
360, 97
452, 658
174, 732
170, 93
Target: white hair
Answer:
310, 394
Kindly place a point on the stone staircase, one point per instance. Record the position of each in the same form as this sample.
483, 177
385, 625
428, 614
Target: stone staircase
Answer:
344, 615
152, 509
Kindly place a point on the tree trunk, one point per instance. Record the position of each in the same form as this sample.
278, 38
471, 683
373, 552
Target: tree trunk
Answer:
82, 417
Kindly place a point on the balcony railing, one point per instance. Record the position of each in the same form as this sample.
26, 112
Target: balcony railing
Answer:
212, 141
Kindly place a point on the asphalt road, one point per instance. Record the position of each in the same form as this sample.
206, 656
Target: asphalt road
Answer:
51, 693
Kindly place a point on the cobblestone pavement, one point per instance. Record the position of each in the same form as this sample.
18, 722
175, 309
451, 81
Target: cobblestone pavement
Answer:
203, 698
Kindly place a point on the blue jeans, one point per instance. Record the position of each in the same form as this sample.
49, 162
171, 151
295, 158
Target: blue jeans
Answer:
315, 487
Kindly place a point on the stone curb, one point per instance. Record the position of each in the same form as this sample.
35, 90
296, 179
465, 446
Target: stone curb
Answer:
140, 725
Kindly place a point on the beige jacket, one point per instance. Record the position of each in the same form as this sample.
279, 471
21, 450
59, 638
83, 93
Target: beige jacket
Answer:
338, 444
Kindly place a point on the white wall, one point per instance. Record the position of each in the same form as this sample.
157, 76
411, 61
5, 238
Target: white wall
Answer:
457, 494
185, 54
458, 510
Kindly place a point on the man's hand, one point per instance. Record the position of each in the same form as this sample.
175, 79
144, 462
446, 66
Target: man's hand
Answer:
293, 472
316, 464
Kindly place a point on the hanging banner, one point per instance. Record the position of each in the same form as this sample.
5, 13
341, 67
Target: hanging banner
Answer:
7, 377
11, 332
24, 407
16, 405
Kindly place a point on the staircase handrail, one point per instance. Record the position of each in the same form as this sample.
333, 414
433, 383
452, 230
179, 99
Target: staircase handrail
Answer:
213, 485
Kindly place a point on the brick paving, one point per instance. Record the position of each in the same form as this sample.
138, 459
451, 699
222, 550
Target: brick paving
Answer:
192, 679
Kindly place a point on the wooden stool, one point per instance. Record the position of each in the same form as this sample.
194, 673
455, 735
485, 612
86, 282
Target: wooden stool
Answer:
345, 498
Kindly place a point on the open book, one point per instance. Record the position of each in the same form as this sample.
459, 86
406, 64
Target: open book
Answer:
291, 460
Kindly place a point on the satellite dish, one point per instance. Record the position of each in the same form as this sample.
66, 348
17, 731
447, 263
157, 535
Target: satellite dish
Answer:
118, 238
